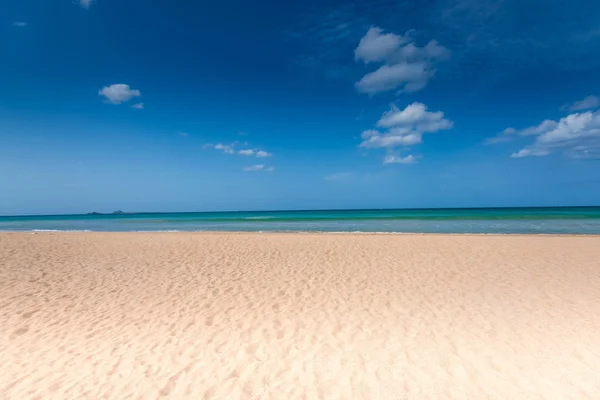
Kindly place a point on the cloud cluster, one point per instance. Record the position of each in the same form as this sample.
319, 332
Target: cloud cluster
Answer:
403, 128
230, 149
577, 135
20, 24
406, 66
119, 93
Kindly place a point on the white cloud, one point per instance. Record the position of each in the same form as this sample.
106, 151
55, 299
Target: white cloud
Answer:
512, 133
225, 148
85, 3
257, 153
259, 167
406, 66
377, 46
20, 24
410, 77
578, 135
392, 159
416, 115
391, 140
183, 134
404, 128
262, 154
138, 106
529, 152
588, 103
118, 93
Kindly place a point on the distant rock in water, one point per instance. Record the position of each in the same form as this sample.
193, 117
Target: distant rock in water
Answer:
93, 213
118, 212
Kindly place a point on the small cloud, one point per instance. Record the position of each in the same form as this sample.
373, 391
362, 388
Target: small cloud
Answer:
257, 167
392, 159
588, 103
85, 3
241, 133
20, 24
257, 153
138, 106
262, 154
529, 152
183, 134
118, 93
225, 148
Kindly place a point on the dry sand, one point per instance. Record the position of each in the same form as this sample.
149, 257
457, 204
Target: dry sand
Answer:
298, 316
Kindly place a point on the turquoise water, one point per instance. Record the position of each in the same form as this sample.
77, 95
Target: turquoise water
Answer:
557, 220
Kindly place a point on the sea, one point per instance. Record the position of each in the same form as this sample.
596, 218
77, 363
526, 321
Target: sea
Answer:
527, 220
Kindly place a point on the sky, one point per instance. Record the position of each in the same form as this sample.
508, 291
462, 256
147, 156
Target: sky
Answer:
203, 106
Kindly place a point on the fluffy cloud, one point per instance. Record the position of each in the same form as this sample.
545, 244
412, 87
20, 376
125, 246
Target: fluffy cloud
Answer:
118, 93
20, 24
577, 135
404, 128
262, 154
588, 103
392, 159
138, 106
406, 66
377, 46
85, 3
259, 167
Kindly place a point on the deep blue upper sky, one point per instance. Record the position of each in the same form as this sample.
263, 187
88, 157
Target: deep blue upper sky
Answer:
192, 106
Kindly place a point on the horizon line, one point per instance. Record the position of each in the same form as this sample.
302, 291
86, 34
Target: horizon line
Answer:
115, 213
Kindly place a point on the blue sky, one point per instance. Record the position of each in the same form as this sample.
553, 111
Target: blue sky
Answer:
155, 106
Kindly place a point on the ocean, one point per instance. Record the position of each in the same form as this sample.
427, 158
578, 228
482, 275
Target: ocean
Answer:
530, 220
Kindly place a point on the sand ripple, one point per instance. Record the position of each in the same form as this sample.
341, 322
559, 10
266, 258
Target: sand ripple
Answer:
285, 316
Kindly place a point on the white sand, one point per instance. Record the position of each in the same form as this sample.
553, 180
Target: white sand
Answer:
298, 316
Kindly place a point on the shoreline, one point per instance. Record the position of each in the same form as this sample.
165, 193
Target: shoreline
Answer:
326, 233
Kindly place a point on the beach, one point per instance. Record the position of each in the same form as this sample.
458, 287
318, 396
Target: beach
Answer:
89, 315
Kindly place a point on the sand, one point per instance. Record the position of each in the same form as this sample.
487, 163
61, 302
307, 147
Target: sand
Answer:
298, 316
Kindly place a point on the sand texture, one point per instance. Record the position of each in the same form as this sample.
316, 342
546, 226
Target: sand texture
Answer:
298, 316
